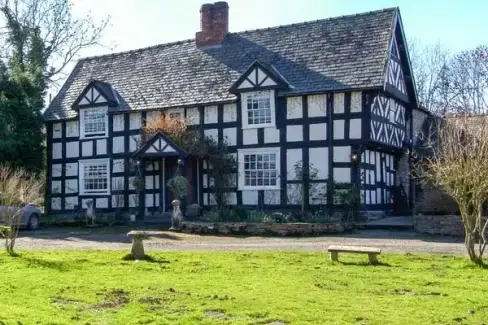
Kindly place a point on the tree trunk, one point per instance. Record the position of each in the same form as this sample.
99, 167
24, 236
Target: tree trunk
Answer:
470, 242
9, 245
10, 238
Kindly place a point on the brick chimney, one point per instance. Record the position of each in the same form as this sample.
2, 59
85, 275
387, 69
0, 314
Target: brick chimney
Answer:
214, 24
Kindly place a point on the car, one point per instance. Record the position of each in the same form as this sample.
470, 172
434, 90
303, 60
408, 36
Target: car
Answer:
30, 216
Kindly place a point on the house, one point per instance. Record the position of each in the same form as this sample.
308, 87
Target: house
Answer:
336, 94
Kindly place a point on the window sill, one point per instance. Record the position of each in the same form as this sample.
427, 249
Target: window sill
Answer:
95, 194
260, 188
258, 126
93, 137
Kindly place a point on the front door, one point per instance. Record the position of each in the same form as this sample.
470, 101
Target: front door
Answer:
170, 169
170, 166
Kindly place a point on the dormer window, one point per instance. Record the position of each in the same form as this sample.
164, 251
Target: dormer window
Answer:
93, 122
92, 105
257, 86
258, 109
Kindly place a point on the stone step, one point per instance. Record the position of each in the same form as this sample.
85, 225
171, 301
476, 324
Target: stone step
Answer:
392, 223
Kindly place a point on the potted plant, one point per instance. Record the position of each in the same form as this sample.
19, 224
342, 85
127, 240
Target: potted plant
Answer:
178, 186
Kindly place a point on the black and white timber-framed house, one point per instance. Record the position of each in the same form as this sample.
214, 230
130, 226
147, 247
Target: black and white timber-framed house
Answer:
336, 93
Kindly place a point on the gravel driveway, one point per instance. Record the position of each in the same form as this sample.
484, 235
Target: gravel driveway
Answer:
115, 238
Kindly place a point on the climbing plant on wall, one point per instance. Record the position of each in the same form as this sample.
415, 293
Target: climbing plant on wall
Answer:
222, 165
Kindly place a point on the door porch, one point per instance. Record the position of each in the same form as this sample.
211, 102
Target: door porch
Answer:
159, 159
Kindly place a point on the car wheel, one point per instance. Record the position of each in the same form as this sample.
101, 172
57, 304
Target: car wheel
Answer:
33, 222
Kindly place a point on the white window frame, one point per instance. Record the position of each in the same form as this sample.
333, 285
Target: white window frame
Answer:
241, 179
265, 93
81, 180
92, 135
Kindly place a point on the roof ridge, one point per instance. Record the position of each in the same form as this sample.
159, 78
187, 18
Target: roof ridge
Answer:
189, 40
317, 20
141, 49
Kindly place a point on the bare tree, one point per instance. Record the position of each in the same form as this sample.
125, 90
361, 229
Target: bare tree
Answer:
450, 84
62, 35
458, 165
17, 188
468, 81
429, 64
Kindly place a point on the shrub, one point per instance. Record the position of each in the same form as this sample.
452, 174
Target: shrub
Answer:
259, 216
210, 216
318, 216
349, 199
17, 187
178, 185
240, 213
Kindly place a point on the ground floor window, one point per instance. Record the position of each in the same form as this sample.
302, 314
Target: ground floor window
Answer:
259, 168
94, 176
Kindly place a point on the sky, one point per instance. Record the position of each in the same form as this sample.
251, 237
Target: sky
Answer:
456, 24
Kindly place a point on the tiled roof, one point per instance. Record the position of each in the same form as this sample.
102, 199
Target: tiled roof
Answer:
347, 52
474, 121
432, 123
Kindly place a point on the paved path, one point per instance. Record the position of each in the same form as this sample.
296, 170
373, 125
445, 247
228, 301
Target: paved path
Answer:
394, 222
116, 239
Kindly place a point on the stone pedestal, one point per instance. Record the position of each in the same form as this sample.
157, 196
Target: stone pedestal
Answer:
138, 238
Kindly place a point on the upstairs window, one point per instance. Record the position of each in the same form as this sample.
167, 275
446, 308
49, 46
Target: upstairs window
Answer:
258, 109
93, 122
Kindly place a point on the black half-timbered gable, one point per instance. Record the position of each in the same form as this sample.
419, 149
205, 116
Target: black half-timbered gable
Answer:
325, 95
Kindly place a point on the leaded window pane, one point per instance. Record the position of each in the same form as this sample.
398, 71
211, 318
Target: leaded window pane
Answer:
94, 120
258, 109
260, 169
95, 177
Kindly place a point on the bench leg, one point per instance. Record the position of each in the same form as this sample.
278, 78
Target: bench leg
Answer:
334, 256
373, 259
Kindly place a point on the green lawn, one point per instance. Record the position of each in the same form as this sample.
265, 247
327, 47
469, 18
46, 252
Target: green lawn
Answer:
98, 287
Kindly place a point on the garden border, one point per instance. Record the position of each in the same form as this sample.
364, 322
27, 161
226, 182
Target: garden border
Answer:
265, 228
448, 225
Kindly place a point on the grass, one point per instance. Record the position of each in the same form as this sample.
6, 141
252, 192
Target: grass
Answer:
99, 287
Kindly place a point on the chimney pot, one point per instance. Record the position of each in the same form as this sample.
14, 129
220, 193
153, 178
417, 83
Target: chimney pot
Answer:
221, 4
206, 6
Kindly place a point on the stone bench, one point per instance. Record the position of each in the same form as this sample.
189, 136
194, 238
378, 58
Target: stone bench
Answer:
371, 251
138, 238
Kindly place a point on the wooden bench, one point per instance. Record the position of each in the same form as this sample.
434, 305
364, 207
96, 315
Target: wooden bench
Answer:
371, 251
